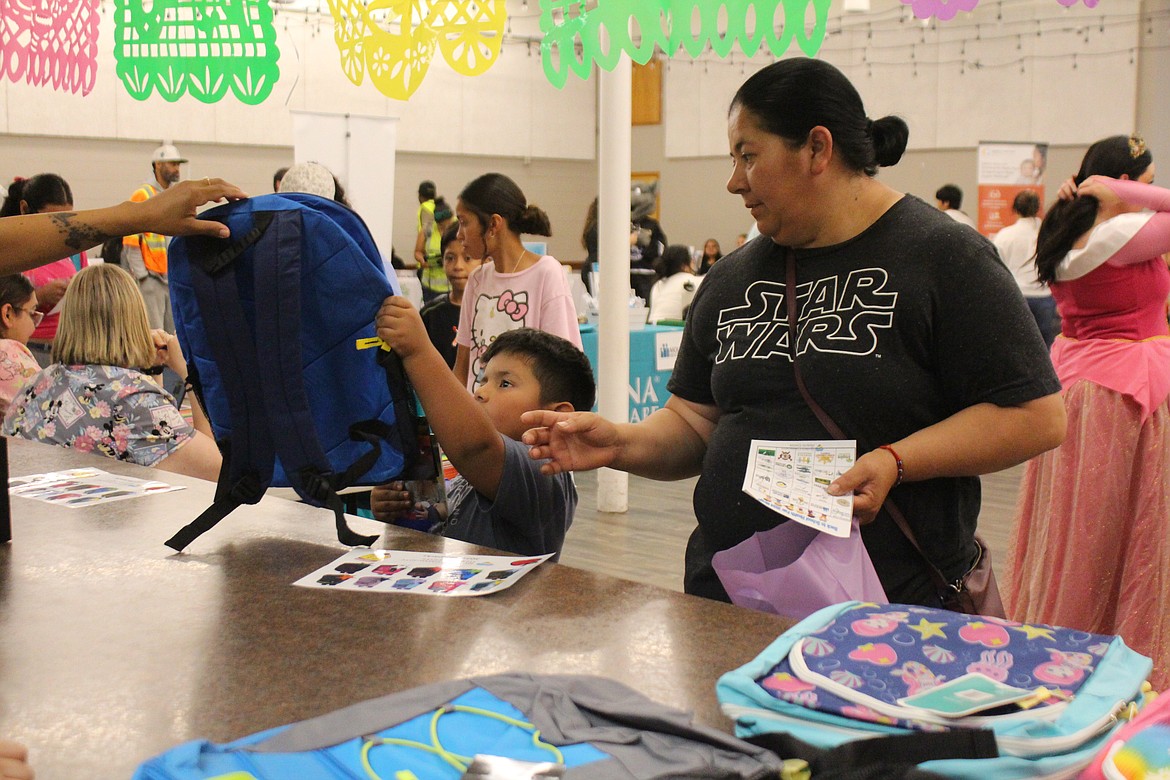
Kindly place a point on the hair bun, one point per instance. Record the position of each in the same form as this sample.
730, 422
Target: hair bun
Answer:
890, 136
533, 221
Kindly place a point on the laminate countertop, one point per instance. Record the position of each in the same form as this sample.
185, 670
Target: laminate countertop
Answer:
113, 648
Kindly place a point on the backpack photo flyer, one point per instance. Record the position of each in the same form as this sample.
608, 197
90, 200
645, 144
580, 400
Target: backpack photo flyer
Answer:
84, 487
428, 574
790, 477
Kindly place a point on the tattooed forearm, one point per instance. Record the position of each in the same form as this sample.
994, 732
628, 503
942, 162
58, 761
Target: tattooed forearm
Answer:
78, 235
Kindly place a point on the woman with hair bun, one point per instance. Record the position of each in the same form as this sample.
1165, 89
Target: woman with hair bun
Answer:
893, 342
514, 288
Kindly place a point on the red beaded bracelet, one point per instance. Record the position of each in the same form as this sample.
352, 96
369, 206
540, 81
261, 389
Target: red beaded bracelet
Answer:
897, 460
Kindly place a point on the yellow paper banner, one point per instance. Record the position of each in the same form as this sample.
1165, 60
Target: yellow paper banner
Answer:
394, 41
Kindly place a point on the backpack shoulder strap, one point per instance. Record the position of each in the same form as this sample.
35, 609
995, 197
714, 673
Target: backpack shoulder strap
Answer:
279, 372
263, 385
249, 454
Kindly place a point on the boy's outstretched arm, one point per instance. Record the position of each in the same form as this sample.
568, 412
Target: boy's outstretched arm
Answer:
463, 429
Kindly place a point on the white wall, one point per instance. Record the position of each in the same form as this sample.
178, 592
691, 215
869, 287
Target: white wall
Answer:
511, 120
105, 171
975, 78
511, 110
1153, 115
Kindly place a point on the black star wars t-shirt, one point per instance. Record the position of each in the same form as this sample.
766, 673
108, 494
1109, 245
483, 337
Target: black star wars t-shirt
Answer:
898, 328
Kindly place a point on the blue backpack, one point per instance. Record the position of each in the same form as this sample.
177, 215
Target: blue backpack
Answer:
855, 671
276, 323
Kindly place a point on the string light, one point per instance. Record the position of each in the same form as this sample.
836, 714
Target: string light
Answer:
884, 38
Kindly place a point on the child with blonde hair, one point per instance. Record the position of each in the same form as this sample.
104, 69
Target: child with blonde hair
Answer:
98, 395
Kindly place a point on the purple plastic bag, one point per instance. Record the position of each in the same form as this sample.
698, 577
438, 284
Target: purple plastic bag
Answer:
793, 570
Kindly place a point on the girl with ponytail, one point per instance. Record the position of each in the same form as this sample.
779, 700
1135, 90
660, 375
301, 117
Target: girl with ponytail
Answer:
514, 288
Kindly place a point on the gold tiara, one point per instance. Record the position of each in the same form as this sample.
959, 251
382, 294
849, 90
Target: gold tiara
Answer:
1137, 147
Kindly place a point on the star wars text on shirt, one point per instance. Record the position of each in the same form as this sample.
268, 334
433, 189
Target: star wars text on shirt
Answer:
834, 315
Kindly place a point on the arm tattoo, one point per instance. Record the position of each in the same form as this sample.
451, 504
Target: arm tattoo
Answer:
78, 235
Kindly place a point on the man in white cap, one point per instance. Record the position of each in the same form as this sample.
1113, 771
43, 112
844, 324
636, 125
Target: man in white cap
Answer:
144, 255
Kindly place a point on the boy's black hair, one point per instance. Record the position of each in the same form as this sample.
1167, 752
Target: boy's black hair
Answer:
561, 368
950, 195
449, 235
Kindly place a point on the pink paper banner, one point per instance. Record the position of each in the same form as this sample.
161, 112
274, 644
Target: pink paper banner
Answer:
945, 10
50, 43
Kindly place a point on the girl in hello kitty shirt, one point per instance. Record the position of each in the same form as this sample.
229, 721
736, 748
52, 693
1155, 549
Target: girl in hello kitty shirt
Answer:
514, 288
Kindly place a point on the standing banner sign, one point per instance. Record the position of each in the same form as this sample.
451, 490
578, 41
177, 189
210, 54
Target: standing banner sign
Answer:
1005, 170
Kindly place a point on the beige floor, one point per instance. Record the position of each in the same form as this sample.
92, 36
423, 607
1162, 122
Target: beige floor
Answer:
646, 544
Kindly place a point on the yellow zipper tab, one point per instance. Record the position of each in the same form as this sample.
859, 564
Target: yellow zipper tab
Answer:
372, 342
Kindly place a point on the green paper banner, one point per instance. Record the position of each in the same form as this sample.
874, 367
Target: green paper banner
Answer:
572, 33
198, 47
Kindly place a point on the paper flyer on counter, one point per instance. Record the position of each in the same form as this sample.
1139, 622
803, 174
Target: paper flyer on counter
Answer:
790, 477
427, 574
84, 487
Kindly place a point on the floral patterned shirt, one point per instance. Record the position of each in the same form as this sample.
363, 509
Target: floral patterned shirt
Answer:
116, 412
17, 366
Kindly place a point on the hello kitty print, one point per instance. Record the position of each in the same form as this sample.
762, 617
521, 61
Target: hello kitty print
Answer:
494, 303
495, 315
895, 651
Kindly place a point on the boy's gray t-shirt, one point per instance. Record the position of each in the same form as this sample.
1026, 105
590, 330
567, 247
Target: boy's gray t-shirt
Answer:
530, 516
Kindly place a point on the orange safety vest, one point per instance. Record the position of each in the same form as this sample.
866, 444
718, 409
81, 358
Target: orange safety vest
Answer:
152, 245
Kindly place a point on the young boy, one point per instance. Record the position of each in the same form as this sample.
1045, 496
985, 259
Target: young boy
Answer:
500, 499
441, 314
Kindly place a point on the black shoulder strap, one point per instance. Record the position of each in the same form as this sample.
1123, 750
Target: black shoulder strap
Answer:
249, 454
262, 375
939, 579
883, 758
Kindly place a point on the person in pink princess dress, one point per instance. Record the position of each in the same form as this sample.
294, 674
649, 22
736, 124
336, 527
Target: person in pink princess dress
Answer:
1090, 548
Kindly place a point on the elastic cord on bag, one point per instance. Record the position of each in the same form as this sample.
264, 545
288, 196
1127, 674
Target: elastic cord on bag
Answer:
436, 748
898, 461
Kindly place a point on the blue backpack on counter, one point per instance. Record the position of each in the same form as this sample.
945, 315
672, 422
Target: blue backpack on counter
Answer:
591, 728
854, 671
277, 323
